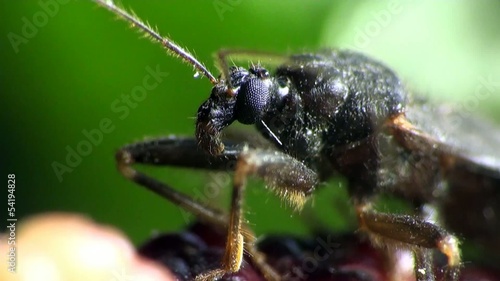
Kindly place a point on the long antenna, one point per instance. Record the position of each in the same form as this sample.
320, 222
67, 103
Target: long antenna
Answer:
171, 46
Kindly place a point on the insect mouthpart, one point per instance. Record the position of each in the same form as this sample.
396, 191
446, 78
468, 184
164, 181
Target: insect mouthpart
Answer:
244, 99
216, 113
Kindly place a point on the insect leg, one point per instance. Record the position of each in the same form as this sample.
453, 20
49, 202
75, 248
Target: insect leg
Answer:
412, 231
424, 268
184, 152
288, 177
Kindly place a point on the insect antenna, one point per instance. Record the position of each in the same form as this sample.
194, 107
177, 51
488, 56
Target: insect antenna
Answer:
173, 49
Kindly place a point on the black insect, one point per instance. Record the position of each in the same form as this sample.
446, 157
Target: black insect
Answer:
335, 113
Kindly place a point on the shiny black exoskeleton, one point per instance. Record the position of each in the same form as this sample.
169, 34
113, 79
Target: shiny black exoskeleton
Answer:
333, 112
313, 104
340, 111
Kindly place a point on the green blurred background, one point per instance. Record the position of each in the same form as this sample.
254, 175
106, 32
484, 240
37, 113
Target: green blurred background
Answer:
63, 79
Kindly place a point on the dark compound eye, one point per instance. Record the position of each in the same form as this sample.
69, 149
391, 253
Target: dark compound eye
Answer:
252, 98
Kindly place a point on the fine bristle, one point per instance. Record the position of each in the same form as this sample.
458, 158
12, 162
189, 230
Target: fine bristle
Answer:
294, 198
172, 48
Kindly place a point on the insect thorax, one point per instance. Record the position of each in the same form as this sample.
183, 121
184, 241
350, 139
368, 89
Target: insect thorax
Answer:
331, 99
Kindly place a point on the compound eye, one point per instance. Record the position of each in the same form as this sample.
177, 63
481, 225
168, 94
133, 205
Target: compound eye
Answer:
252, 98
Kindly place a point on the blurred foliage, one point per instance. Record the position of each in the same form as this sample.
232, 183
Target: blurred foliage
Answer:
64, 78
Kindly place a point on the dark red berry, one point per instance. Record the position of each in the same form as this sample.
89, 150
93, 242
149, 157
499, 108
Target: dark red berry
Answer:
325, 257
